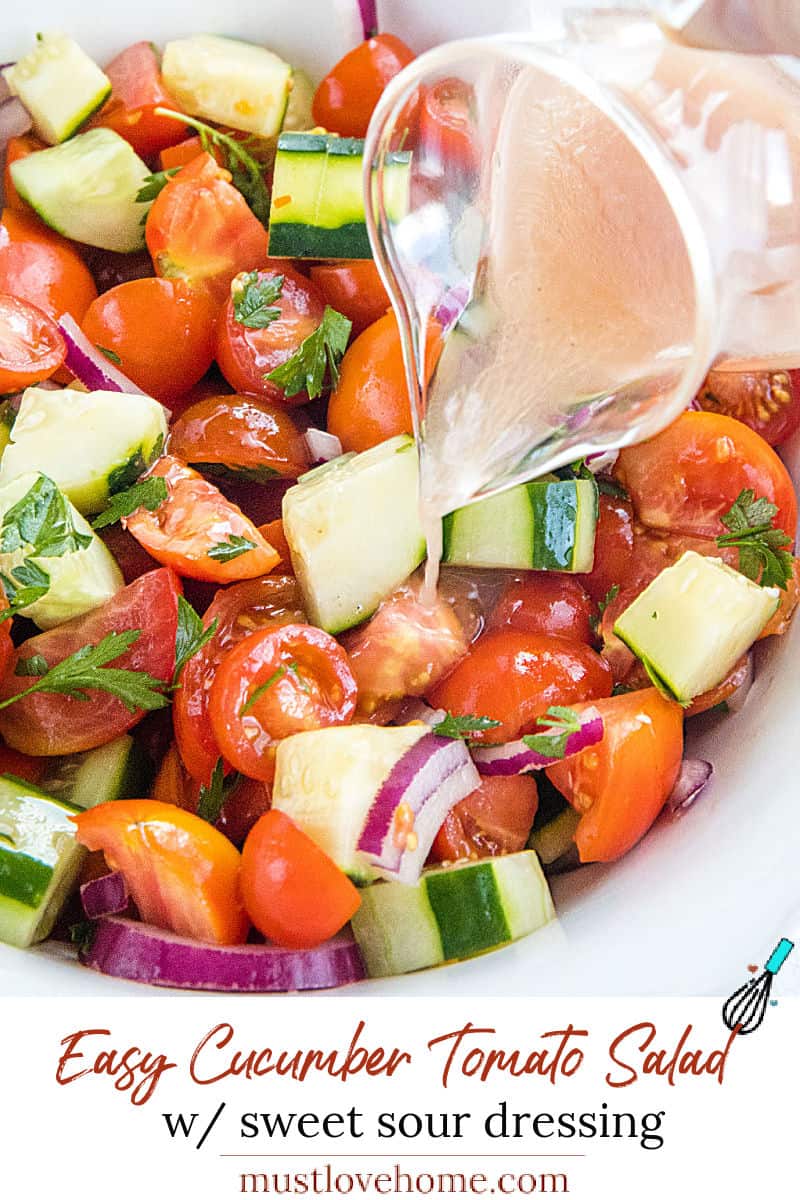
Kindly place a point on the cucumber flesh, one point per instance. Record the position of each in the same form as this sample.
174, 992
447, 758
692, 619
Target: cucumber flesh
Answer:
119, 770
298, 113
59, 85
557, 838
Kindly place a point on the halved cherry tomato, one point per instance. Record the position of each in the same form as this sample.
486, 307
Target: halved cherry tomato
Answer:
201, 230
161, 330
619, 786
688, 476
41, 267
447, 135
245, 435
613, 548
275, 683
182, 154
49, 723
514, 677
24, 766
539, 602
245, 799
17, 148
239, 611
31, 345
494, 819
780, 621
292, 891
717, 695
136, 91
353, 288
767, 401
198, 532
246, 356
346, 98
181, 872
273, 532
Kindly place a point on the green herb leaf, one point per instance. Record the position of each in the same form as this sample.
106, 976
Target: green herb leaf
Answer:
763, 556
26, 584
234, 546
35, 665
111, 355
574, 470
318, 355
191, 635
602, 605
212, 798
152, 185
253, 298
41, 522
149, 494
560, 723
259, 691
609, 487
459, 727
82, 934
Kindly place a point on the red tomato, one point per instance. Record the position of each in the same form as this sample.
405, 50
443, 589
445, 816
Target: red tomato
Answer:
613, 548
245, 802
688, 476
353, 288
198, 532
245, 355
344, 101
136, 91
182, 154
31, 345
182, 873
201, 230
48, 723
540, 602
41, 267
781, 619
494, 819
292, 891
447, 135
238, 610
619, 786
245, 434
273, 532
275, 683
24, 766
716, 695
767, 401
161, 330
16, 148
514, 677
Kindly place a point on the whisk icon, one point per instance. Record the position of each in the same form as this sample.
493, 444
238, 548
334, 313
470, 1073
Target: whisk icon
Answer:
747, 1006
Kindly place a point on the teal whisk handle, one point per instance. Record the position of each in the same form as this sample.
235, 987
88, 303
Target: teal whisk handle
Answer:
779, 956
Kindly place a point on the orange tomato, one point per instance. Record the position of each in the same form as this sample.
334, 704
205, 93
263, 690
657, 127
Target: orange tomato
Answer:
346, 98
494, 819
182, 154
273, 532
31, 345
136, 91
354, 289
40, 266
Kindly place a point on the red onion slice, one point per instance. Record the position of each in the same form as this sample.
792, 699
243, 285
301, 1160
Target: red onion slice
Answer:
15, 120
737, 698
322, 446
692, 778
369, 17
514, 758
415, 709
105, 896
132, 950
90, 365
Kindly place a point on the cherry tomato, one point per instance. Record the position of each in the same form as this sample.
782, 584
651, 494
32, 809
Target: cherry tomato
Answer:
767, 401
181, 154
780, 621
275, 683
198, 532
723, 691
292, 891
24, 766
494, 819
688, 476
239, 611
245, 799
613, 548
245, 435
161, 330
273, 532
514, 677
49, 723
447, 134
41, 267
31, 345
539, 602
17, 148
353, 288
344, 101
182, 873
619, 786
245, 355
137, 91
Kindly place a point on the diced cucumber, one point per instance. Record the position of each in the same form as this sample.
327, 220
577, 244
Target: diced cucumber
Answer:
39, 860
541, 526
317, 208
59, 85
86, 189
693, 622
119, 770
78, 581
298, 113
557, 837
327, 779
233, 83
354, 532
453, 912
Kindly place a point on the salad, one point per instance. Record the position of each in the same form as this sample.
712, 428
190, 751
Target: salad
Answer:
245, 745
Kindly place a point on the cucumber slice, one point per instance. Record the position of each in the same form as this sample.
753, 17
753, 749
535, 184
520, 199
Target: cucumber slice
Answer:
59, 85
694, 621
557, 837
354, 532
119, 770
86, 189
39, 860
540, 526
453, 912
227, 81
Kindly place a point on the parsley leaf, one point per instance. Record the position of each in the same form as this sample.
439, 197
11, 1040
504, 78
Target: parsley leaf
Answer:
212, 798
253, 298
457, 727
152, 185
234, 546
191, 635
609, 487
111, 355
763, 556
41, 522
26, 584
603, 604
82, 935
282, 670
605, 484
320, 353
560, 723
147, 494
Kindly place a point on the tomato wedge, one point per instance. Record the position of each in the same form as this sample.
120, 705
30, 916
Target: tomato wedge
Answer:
31, 345
613, 548
182, 873
198, 532
543, 602
244, 435
136, 91
494, 819
43, 268
46, 723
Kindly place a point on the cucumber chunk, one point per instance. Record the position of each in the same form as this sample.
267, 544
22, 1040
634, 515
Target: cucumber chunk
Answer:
694, 621
298, 113
59, 85
557, 837
39, 860
233, 83
86, 189
119, 770
354, 532
90, 443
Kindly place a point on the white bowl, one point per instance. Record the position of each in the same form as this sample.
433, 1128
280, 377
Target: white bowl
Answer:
697, 900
